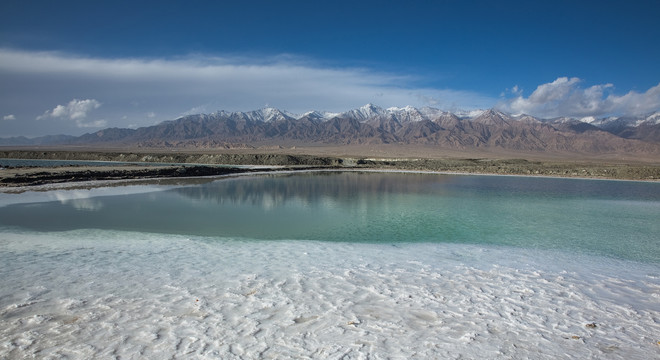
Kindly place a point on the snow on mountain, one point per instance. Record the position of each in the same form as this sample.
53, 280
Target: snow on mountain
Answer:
271, 114
492, 117
262, 115
409, 114
403, 109
373, 124
523, 118
652, 119
222, 113
318, 115
589, 120
365, 112
613, 122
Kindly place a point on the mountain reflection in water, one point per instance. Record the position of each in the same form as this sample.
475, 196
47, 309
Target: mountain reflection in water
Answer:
604, 217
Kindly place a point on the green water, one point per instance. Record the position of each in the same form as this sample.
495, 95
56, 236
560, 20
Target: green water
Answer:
611, 218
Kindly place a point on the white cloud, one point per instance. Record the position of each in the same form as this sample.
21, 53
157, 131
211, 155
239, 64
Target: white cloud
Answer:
638, 103
76, 110
565, 97
151, 115
9, 117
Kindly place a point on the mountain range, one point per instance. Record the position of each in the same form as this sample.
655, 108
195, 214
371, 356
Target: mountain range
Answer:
370, 124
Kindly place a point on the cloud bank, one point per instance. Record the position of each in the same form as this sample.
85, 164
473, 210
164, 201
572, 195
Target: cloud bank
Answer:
68, 90
145, 91
235, 83
565, 97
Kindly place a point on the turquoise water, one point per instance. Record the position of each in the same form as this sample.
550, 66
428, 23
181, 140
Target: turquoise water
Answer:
610, 218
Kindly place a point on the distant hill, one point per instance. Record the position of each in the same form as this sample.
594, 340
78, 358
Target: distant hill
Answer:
370, 124
43, 140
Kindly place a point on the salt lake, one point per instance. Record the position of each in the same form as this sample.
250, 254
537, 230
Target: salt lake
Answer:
334, 265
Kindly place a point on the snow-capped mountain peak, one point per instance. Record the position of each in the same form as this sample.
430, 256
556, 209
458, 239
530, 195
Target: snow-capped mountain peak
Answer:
408, 114
588, 119
273, 114
407, 108
264, 115
528, 119
318, 115
392, 125
371, 110
365, 112
492, 117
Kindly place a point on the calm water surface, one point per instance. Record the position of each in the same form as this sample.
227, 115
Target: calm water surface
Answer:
612, 218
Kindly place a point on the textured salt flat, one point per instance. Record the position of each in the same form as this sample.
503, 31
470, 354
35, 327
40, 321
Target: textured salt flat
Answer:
105, 294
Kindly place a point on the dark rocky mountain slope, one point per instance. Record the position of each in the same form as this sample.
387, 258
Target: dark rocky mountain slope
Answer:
370, 124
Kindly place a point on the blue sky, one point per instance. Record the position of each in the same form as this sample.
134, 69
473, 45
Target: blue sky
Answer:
78, 66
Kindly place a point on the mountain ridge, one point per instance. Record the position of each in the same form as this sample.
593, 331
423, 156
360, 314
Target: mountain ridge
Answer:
371, 124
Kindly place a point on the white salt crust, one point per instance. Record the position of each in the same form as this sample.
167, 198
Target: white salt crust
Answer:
102, 294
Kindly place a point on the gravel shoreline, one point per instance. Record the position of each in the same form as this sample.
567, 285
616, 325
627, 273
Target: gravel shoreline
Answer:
206, 165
